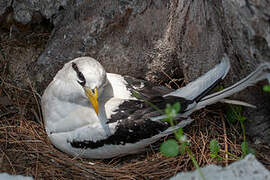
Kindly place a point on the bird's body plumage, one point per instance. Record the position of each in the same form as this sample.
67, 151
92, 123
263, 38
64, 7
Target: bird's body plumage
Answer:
122, 124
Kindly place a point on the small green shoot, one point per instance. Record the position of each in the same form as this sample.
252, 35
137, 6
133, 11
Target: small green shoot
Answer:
171, 112
171, 147
244, 148
266, 88
214, 149
234, 114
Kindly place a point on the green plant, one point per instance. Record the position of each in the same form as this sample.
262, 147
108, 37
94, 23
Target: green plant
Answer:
171, 112
233, 115
266, 88
237, 111
172, 147
215, 149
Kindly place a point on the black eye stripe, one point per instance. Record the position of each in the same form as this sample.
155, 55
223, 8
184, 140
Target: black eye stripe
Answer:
75, 67
79, 74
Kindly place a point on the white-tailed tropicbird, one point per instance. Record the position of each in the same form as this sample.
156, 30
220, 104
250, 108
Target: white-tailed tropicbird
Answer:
91, 113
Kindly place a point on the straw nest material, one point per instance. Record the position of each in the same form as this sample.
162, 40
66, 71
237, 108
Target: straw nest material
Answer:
26, 150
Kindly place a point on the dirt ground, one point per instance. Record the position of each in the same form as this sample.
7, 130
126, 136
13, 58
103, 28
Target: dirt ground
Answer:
26, 150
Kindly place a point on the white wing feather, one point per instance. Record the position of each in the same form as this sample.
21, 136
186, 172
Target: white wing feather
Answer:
195, 88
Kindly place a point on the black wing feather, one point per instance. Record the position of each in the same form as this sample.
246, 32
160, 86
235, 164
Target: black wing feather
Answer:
134, 115
134, 122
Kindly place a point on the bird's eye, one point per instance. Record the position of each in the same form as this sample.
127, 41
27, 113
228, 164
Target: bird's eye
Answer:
80, 76
82, 83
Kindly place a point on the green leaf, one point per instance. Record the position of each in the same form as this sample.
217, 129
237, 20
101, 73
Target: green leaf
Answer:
238, 109
220, 88
266, 88
167, 120
234, 113
251, 151
242, 119
177, 107
214, 147
179, 133
183, 148
244, 147
213, 155
230, 115
168, 109
169, 148
219, 158
171, 111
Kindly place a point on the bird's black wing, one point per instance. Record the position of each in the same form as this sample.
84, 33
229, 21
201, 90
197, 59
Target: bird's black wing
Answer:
134, 124
146, 89
147, 95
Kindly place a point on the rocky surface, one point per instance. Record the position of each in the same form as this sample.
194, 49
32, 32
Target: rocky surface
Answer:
24, 11
250, 22
246, 169
4, 4
14, 177
122, 35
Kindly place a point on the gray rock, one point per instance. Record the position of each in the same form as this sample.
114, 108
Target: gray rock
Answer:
4, 4
122, 35
14, 177
250, 21
246, 169
24, 10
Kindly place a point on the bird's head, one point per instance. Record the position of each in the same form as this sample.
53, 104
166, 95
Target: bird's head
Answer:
86, 77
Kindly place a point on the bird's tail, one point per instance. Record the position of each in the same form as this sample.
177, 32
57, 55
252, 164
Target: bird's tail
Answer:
262, 72
200, 87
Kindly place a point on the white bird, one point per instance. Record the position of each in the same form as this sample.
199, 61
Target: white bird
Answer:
91, 113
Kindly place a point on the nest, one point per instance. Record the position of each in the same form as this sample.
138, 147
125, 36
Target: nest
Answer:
26, 149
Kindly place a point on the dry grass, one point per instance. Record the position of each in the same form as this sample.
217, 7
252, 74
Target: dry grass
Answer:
25, 148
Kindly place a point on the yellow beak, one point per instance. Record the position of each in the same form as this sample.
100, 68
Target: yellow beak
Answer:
93, 97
